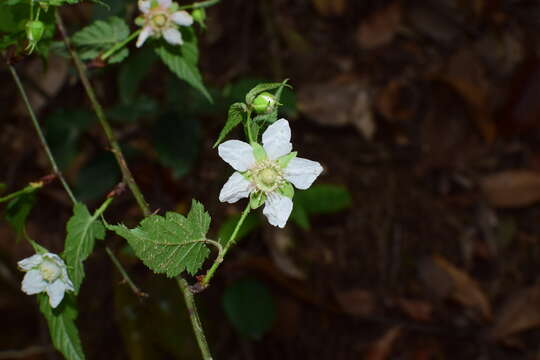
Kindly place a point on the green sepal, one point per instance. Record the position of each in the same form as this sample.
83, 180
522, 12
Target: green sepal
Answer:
174, 7
287, 190
37, 248
256, 199
258, 152
285, 159
139, 21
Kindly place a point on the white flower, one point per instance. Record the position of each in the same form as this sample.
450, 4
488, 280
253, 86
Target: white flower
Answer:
45, 273
161, 18
267, 171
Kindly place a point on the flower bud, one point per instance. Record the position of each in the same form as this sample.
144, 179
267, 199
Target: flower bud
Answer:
34, 30
264, 103
199, 15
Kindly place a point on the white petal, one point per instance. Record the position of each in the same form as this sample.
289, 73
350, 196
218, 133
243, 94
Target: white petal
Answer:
277, 139
33, 283
165, 3
277, 209
30, 262
145, 33
182, 18
238, 154
302, 172
56, 292
173, 36
144, 6
236, 188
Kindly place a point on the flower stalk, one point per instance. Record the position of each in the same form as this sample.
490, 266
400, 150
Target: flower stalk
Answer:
120, 45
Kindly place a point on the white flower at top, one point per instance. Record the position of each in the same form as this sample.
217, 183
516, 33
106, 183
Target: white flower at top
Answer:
161, 18
266, 172
45, 273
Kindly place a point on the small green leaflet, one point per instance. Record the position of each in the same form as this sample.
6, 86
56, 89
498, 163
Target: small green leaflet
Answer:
171, 244
82, 231
183, 62
100, 36
61, 321
252, 94
234, 117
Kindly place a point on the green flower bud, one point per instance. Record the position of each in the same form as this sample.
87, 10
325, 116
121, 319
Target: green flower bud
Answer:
264, 103
199, 15
34, 30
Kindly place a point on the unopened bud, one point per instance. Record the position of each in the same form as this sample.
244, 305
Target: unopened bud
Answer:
199, 15
34, 30
264, 103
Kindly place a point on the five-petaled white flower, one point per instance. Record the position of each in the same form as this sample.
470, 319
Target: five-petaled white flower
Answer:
266, 172
161, 18
45, 273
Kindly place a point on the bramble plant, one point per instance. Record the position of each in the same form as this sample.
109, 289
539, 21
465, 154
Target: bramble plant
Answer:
266, 167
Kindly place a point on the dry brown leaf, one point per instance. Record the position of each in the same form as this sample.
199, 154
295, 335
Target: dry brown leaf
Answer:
393, 103
381, 28
330, 7
382, 348
465, 290
512, 188
521, 312
357, 302
416, 309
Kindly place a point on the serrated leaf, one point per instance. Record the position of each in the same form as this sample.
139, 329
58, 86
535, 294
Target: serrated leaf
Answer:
171, 244
100, 36
182, 60
82, 231
62, 328
250, 96
234, 117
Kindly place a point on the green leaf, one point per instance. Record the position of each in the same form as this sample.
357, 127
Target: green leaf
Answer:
250, 307
171, 244
82, 231
62, 328
176, 140
141, 106
182, 60
234, 117
17, 211
98, 37
251, 223
252, 94
319, 199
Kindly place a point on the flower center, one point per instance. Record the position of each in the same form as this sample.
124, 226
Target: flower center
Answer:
159, 20
266, 176
49, 270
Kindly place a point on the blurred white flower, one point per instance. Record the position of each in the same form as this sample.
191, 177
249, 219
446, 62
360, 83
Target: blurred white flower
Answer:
267, 171
161, 18
45, 273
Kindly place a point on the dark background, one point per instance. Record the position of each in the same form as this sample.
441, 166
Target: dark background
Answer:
427, 112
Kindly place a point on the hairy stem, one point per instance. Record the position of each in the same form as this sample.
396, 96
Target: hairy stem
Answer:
40, 133
81, 70
230, 242
122, 271
119, 45
130, 181
194, 315
54, 165
199, 5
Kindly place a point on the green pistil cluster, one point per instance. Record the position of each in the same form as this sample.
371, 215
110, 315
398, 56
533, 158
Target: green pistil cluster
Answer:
160, 20
49, 270
266, 176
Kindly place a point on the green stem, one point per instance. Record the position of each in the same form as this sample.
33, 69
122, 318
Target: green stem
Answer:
26, 190
120, 45
81, 70
54, 165
199, 5
210, 273
40, 133
248, 127
128, 178
195, 320
122, 271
